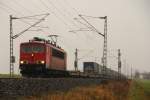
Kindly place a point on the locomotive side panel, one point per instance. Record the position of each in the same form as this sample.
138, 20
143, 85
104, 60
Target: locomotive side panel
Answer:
57, 64
48, 56
55, 58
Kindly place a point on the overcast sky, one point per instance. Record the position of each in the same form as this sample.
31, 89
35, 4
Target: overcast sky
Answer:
128, 29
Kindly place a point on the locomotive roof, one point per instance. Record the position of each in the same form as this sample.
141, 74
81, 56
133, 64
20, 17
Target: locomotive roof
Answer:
44, 43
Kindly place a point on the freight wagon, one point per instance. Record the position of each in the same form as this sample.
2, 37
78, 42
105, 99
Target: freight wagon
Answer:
93, 69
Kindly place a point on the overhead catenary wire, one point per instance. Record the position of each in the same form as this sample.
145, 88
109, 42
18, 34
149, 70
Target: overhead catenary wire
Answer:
19, 4
37, 19
8, 12
27, 18
22, 14
17, 12
77, 19
70, 8
76, 13
42, 19
61, 13
52, 12
90, 52
35, 4
64, 22
64, 6
33, 16
66, 44
6, 6
69, 13
66, 9
47, 7
5, 10
94, 17
94, 29
68, 4
87, 27
37, 27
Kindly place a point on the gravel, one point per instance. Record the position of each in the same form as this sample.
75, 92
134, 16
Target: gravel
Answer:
34, 86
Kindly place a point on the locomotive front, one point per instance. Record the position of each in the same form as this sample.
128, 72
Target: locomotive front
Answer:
32, 58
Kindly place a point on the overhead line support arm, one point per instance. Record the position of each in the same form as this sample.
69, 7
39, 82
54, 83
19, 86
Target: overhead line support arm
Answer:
17, 35
91, 26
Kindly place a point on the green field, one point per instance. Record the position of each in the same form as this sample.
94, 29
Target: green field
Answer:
140, 90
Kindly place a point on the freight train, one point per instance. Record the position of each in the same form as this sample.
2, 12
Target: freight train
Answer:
43, 58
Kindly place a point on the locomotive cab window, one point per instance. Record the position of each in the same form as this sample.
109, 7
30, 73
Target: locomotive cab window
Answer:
26, 49
57, 53
37, 49
32, 48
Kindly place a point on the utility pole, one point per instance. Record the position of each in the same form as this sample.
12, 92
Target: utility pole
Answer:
11, 48
124, 66
105, 46
119, 64
131, 73
12, 58
76, 60
128, 70
104, 58
12, 37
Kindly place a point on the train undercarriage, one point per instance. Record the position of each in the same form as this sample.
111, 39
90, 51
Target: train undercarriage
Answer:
41, 71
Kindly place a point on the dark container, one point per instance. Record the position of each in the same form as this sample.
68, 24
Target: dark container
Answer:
91, 67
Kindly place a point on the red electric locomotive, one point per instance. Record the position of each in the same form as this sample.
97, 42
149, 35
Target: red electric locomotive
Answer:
40, 57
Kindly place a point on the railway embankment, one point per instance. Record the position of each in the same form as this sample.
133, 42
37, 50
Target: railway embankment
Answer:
14, 87
112, 90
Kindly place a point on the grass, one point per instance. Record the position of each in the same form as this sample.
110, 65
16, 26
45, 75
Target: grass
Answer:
140, 90
7, 76
146, 87
109, 91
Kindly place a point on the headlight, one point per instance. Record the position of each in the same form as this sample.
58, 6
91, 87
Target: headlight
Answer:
42, 62
21, 62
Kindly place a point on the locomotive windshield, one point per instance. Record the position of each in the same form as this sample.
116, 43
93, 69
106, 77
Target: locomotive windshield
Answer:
37, 49
32, 48
26, 49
